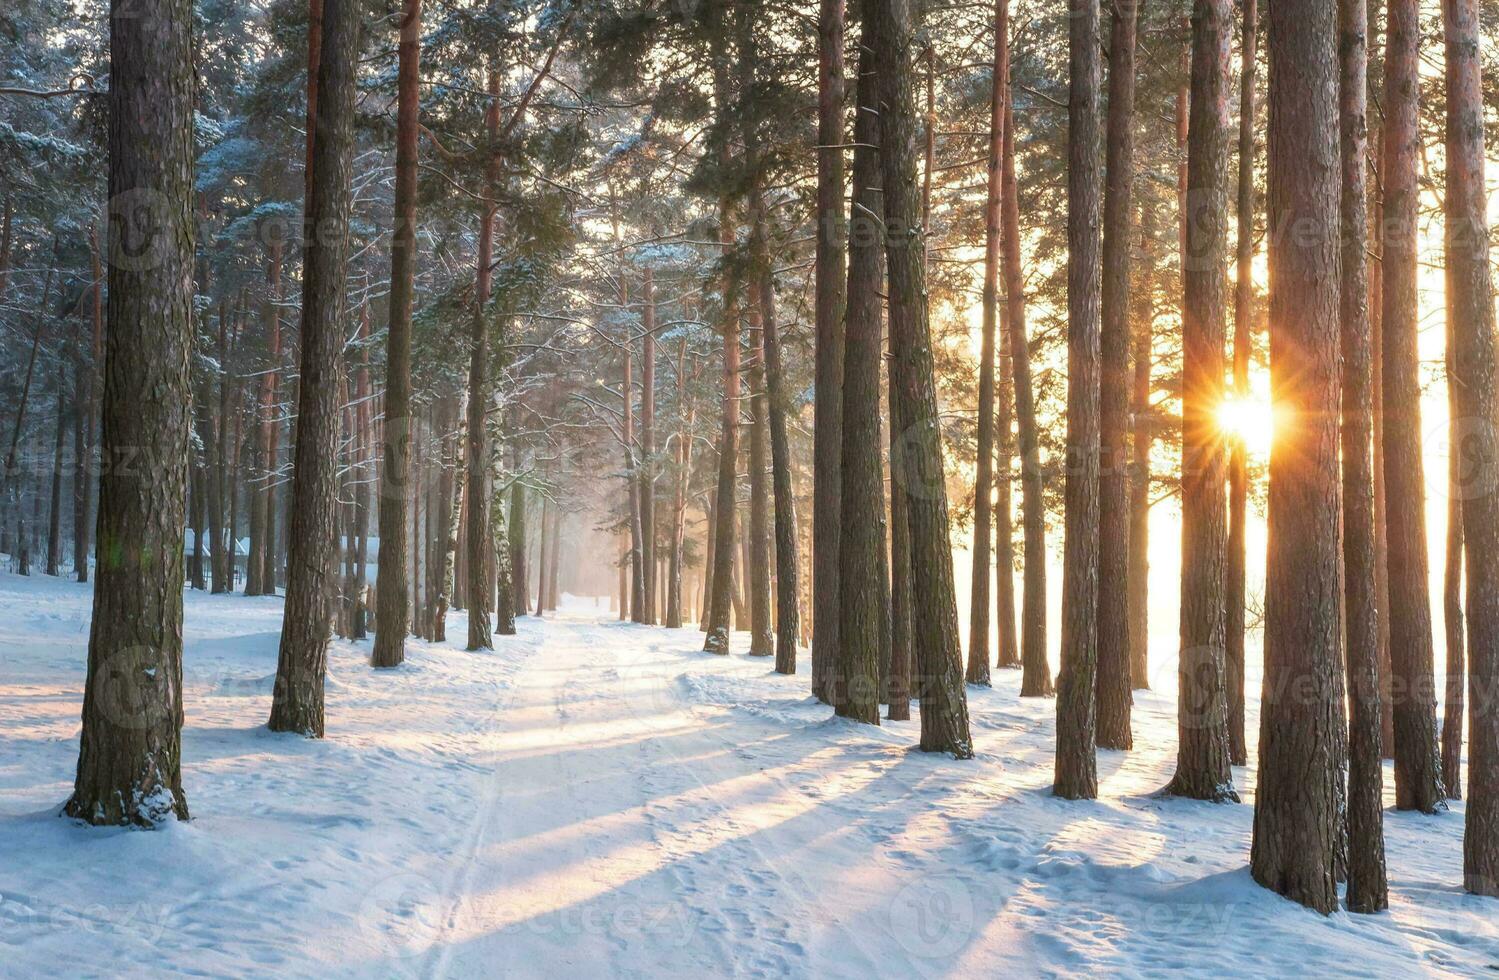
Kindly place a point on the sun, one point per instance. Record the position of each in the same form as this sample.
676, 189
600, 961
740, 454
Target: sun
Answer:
1250, 419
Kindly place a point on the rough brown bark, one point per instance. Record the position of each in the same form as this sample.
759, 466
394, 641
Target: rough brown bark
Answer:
863, 604
1473, 321
54, 513
1381, 509
476, 464
1238, 463
1418, 780
725, 500
983, 485
675, 612
1144, 437
87, 409
1112, 692
1367, 890
1452, 577
827, 405
520, 587
1295, 811
130, 760
787, 564
762, 644
647, 464
1076, 761
297, 703
390, 583
936, 647
1036, 679
1202, 768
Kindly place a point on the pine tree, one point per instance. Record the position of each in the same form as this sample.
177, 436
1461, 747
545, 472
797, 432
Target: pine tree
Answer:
1076, 761
297, 704
936, 647
1417, 773
1112, 692
863, 604
1202, 768
1367, 890
1295, 812
130, 755
390, 639
1473, 330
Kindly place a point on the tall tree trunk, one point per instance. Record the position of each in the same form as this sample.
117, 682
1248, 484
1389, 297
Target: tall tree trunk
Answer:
88, 410
675, 613
936, 646
710, 544
717, 640
297, 705
1138, 597
1418, 779
54, 514
222, 555
390, 582
1473, 318
983, 484
1367, 891
1113, 698
1004, 522
638, 611
1295, 811
1076, 762
647, 467
863, 606
1238, 465
762, 643
1452, 573
827, 407
478, 543
519, 585
1381, 508
130, 759
1202, 770
788, 578
1035, 680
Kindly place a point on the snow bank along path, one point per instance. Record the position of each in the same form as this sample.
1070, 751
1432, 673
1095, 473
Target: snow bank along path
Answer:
601, 799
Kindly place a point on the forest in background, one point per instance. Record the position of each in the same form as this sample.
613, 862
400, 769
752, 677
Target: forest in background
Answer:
534, 271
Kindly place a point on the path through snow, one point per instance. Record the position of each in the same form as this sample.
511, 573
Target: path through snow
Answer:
602, 799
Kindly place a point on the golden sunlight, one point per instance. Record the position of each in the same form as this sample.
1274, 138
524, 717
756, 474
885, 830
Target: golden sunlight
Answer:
1249, 418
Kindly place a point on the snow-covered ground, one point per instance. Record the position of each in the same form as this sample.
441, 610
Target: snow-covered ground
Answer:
599, 799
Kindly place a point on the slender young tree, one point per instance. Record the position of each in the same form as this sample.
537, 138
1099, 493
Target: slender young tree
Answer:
479, 543
648, 440
788, 574
1452, 574
1113, 695
1295, 808
1478, 392
1367, 890
983, 486
1076, 760
936, 647
1418, 778
1202, 767
827, 404
1238, 463
863, 604
762, 642
1138, 589
297, 703
1035, 680
390, 584
130, 752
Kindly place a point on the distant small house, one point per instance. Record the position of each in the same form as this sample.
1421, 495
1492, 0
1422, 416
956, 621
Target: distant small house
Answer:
241, 552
